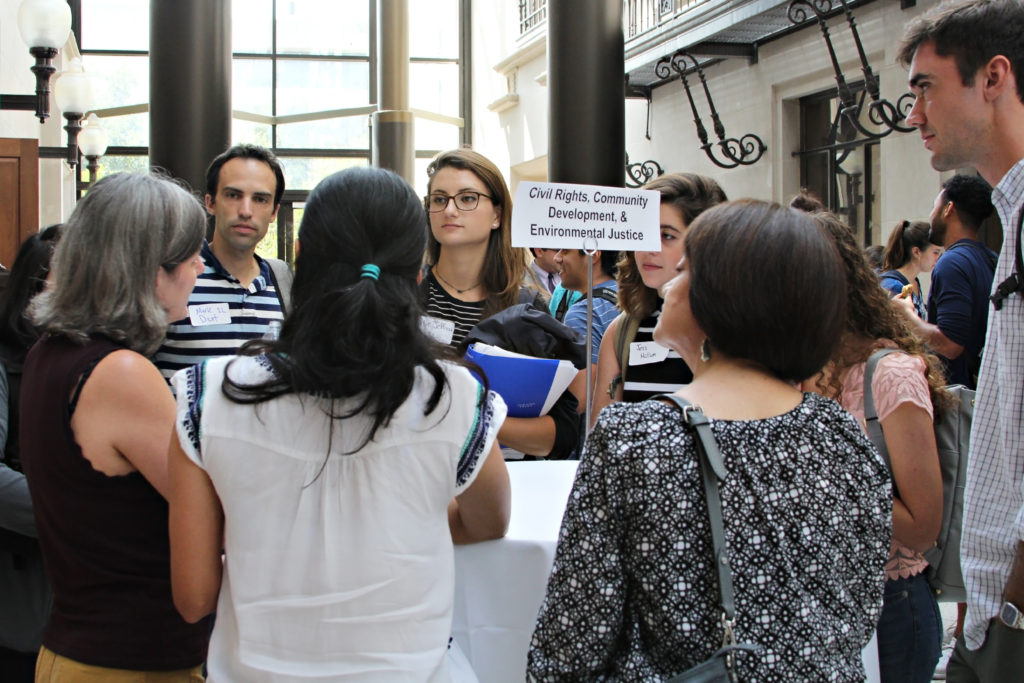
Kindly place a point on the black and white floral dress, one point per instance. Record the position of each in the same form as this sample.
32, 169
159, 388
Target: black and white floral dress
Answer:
633, 595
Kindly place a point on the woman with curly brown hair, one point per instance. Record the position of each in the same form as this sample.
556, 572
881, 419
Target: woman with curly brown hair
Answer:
907, 388
653, 369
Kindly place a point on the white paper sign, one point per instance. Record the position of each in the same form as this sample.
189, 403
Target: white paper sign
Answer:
568, 216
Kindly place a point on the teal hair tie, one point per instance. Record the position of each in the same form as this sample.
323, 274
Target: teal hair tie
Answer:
370, 270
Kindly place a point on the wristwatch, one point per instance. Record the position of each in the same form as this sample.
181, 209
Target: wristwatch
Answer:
1011, 616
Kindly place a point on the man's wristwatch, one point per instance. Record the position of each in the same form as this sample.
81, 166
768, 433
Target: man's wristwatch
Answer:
1011, 616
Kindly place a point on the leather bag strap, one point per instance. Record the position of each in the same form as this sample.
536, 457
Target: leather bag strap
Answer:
712, 472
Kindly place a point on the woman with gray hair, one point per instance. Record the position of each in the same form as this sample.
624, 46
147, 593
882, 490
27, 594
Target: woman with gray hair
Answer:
95, 423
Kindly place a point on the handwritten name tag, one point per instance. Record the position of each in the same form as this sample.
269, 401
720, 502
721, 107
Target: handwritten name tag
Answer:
209, 314
643, 353
440, 330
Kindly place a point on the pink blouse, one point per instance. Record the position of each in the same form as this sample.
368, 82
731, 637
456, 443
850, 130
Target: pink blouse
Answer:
899, 378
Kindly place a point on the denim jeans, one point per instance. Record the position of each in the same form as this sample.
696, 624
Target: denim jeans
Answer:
909, 631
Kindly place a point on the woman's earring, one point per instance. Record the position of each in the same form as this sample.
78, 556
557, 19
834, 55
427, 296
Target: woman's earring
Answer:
705, 350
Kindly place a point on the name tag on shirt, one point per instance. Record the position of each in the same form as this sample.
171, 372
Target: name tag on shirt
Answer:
209, 314
644, 353
438, 329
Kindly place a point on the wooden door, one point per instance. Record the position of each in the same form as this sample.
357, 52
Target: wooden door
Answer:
19, 194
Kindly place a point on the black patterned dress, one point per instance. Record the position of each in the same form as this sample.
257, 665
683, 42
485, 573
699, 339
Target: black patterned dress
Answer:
633, 595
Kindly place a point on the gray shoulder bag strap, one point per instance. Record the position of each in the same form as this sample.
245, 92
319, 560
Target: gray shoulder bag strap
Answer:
871, 421
282, 274
719, 667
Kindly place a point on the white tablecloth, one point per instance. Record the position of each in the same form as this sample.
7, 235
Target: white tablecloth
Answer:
499, 585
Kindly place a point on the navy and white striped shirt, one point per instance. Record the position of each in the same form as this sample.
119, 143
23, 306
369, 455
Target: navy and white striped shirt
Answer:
440, 304
250, 309
664, 377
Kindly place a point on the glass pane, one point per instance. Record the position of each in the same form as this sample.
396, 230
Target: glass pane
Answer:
434, 29
252, 26
115, 25
351, 132
267, 248
307, 86
303, 173
127, 131
117, 164
118, 81
249, 132
433, 135
323, 27
434, 87
252, 85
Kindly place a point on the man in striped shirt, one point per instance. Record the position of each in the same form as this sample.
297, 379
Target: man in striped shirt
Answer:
239, 294
967, 73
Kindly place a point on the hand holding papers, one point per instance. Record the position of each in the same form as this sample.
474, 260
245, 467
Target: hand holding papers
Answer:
529, 385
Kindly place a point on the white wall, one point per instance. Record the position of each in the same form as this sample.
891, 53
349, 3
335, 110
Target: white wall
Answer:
759, 98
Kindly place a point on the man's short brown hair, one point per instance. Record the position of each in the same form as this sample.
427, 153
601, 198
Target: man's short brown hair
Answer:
972, 32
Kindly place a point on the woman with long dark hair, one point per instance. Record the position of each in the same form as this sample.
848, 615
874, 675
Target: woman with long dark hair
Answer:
337, 466
684, 196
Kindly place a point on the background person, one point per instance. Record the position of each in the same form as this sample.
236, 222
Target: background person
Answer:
605, 292
908, 253
474, 272
239, 294
958, 302
95, 419
24, 591
374, 455
907, 388
544, 272
641, 275
633, 594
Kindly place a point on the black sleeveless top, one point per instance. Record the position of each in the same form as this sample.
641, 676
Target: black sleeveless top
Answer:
667, 376
104, 538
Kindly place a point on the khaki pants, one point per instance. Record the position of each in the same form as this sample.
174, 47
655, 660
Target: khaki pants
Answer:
53, 668
999, 660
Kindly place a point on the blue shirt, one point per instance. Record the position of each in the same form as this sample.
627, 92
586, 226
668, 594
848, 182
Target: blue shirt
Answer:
604, 313
250, 310
894, 281
958, 304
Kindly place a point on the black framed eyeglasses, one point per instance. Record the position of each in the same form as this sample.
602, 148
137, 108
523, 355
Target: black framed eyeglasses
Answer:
468, 200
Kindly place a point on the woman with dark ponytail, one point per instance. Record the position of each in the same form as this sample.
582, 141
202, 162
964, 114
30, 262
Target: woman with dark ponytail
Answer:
907, 255
337, 465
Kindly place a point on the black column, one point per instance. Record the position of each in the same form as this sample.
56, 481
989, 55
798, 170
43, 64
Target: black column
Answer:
189, 86
587, 114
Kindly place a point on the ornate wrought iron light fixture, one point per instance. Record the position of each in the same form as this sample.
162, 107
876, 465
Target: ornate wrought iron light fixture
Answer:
731, 152
639, 174
883, 114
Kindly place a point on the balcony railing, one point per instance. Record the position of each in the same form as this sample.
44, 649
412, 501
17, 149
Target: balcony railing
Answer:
531, 13
639, 16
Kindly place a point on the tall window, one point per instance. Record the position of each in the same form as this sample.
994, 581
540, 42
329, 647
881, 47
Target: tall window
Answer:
303, 84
